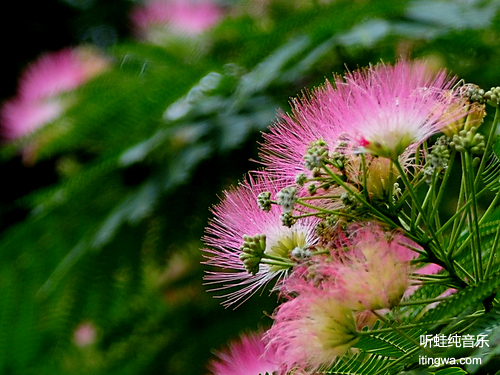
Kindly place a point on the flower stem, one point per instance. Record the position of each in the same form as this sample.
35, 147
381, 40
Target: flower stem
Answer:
489, 144
473, 217
358, 196
416, 204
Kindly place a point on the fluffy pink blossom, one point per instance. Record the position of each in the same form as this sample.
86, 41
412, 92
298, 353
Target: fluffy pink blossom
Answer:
375, 271
247, 356
41, 85
369, 271
381, 110
287, 141
311, 331
184, 17
239, 215
395, 107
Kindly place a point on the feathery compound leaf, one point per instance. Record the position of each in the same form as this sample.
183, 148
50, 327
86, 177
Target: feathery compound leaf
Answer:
451, 371
426, 291
487, 232
464, 300
491, 175
391, 344
363, 364
488, 327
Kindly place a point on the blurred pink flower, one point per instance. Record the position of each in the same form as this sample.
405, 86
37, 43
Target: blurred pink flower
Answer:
184, 17
20, 117
374, 273
247, 356
239, 215
58, 72
85, 334
41, 85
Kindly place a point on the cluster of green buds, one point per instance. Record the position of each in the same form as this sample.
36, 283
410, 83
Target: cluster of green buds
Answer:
474, 93
438, 158
264, 201
252, 251
300, 253
492, 96
301, 179
287, 219
286, 198
468, 140
316, 153
348, 200
338, 158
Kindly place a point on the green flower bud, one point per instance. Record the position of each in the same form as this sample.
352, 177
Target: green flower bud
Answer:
264, 201
286, 198
252, 251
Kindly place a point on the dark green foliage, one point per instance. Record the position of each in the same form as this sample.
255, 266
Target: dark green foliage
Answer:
364, 364
390, 343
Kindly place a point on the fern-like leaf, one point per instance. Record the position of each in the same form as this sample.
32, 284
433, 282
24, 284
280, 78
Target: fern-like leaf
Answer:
362, 364
491, 175
464, 300
390, 344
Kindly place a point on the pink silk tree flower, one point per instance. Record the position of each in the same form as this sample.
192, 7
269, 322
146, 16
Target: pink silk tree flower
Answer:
182, 17
311, 331
20, 117
381, 110
247, 356
42, 85
288, 140
375, 270
249, 246
387, 108
369, 270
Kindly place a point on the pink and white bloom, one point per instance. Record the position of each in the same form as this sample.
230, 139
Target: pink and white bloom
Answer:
370, 270
288, 139
381, 110
388, 108
180, 17
41, 86
247, 356
311, 331
239, 216
375, 271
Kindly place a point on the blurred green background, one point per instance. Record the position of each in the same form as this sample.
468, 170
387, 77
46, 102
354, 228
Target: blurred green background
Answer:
101, 226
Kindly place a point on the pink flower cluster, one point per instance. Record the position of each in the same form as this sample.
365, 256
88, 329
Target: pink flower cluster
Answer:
331, 296
239, 215
299, 223
180, 17
382, 110
41, 86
